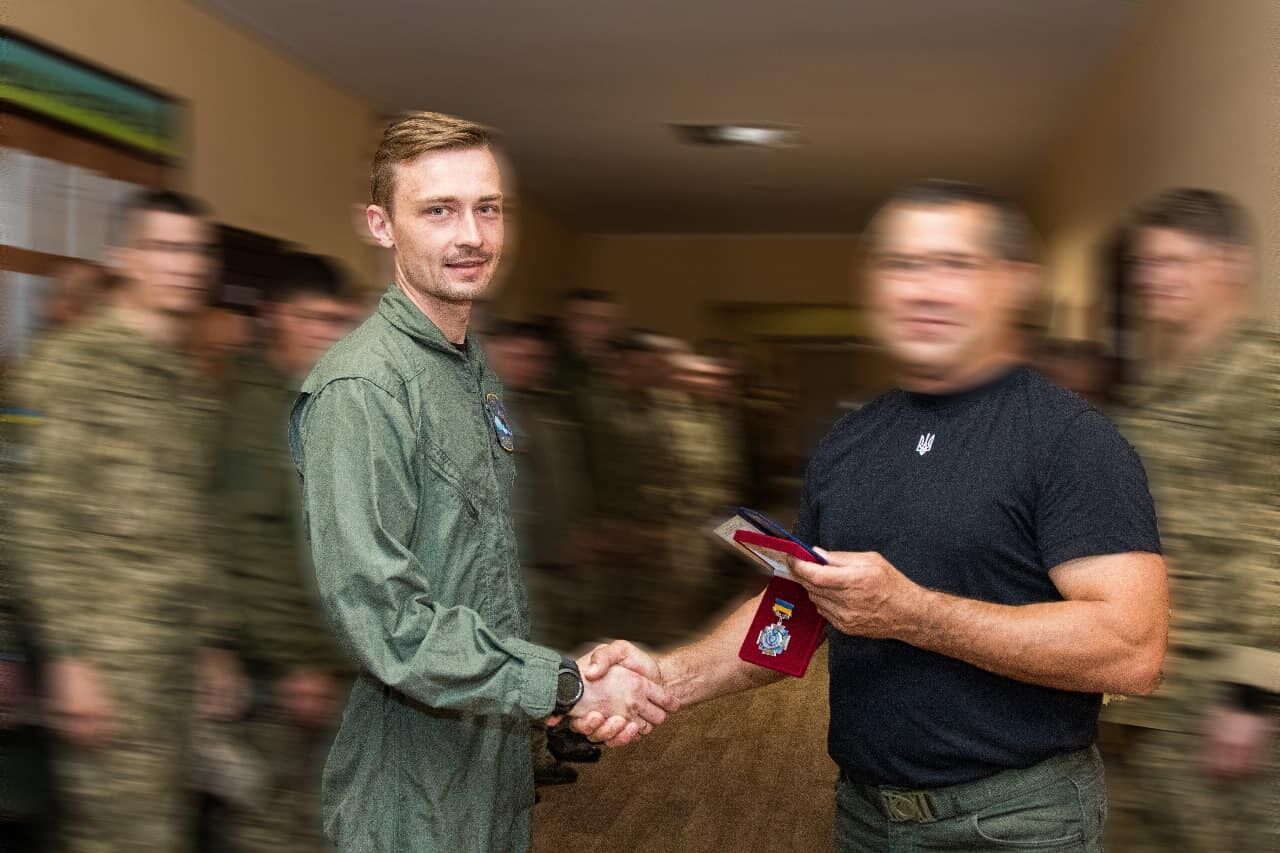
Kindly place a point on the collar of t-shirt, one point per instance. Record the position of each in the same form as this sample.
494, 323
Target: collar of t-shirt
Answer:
959, 397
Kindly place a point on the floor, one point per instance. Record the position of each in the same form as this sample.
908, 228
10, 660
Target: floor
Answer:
745, 773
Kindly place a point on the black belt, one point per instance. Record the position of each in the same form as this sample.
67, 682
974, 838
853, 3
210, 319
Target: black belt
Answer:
927, 805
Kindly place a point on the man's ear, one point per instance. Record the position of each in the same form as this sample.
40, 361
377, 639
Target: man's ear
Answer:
116, 260
1237, 265
379, 222
1023, 284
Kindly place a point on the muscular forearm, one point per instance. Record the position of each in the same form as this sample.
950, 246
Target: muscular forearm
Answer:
711, 667
1067, 645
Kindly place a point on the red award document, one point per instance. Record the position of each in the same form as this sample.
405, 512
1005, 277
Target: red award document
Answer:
786, 630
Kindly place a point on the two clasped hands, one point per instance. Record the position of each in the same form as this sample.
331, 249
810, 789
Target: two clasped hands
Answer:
628, 692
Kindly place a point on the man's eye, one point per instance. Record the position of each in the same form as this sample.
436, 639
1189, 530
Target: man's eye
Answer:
437, 211
900, 264
489, 209
959, 264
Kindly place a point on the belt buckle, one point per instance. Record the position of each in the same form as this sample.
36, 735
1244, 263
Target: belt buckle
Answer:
907, 806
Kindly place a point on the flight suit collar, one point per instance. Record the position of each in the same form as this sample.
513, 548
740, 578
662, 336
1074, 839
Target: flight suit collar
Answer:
400, 312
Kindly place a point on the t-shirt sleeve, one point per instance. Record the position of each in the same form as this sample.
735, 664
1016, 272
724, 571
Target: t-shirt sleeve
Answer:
1094, 497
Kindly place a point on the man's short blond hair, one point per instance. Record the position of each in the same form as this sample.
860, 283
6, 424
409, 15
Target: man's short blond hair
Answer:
413, 134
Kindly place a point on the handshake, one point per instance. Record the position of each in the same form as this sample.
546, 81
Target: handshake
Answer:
624, 696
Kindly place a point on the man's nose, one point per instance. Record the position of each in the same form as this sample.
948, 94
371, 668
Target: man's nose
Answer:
468, 230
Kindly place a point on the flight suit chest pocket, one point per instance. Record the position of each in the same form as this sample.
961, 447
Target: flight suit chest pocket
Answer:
445, 487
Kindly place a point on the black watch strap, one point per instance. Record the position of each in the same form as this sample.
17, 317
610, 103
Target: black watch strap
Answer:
569, 686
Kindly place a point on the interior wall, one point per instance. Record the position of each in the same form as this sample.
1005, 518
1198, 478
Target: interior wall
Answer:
1193, 99
671, 282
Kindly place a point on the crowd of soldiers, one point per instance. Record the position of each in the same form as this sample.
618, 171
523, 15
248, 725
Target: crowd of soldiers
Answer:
158, 633
156, 593
630, 444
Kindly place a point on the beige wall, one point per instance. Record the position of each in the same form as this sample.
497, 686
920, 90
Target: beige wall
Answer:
542, 260
667, 281
1191, 100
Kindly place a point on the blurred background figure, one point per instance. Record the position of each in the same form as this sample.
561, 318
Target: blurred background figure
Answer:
549, 506
1081, 366
300, 677
77, 288
589, 323
637, 480
220, 334
113, 545
1200, 765
706, 441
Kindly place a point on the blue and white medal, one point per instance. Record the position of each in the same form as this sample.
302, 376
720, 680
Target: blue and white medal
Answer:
774, 639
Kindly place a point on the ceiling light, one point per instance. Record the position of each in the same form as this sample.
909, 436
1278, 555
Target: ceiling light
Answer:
754, 135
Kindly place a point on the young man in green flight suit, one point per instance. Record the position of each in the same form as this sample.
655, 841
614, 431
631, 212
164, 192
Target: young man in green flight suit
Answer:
405, 453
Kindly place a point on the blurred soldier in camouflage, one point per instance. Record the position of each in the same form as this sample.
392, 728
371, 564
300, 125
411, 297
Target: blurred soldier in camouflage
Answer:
301, 676
113, 540
590, 324
1203, 416
76, 291
707, 449
638, 474
548, 507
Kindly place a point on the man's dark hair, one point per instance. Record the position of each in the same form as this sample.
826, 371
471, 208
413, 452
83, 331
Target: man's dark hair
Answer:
524, 329
305, 274
588, 294
1014, 239
1206, 214
634, 340
152, 201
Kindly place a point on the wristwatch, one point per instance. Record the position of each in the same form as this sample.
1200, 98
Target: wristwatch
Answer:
569, 686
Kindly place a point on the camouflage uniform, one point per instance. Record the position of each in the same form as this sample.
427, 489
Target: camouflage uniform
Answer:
637, 470
273, 586
113, 546
1208, 435
582, 390
549, 504
706, 484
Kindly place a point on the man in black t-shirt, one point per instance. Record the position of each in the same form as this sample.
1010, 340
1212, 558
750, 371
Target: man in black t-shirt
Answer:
994, 564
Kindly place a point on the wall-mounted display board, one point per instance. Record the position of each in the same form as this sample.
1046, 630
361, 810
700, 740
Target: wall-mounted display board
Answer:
77, 139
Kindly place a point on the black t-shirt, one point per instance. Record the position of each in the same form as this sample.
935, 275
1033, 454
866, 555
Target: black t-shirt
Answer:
978, 494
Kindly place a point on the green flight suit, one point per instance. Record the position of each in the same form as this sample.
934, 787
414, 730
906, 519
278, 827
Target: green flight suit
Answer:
406, 490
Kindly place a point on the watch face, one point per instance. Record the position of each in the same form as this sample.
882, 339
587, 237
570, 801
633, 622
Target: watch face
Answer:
568, 686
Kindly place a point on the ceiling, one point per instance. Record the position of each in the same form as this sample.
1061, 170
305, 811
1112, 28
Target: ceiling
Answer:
882, 91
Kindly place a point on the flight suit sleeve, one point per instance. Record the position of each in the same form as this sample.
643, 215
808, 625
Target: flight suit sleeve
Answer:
355, 444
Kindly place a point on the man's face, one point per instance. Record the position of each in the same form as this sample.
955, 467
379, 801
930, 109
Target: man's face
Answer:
306, 326
591, 324
446, 223
940, 298
1180, 277
76, 288
166, 262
